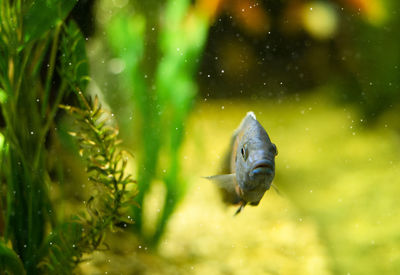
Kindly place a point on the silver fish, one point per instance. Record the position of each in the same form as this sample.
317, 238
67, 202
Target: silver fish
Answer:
250, 165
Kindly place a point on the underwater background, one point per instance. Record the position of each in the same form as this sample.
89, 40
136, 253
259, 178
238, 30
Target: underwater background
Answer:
114, 112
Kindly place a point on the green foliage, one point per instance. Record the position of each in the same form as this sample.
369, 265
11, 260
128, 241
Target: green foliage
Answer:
28, 115
42, 16
63, 249
28, 32
143, 101
160, 78
9, 261
128, 31
181, 43
105, 164
34, 39
74, 65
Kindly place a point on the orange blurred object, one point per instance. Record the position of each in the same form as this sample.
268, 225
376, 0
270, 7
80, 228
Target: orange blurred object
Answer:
358, 4
210, 8
251, 16
374, 11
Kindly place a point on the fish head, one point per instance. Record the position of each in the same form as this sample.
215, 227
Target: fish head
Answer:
255, 165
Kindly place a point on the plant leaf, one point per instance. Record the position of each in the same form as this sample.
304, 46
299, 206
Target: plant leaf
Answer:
9, 260
74, 65
44, 15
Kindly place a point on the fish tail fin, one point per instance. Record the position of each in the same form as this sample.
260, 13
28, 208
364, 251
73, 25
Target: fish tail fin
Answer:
227, 187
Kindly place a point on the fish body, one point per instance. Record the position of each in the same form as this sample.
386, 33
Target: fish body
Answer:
250, 165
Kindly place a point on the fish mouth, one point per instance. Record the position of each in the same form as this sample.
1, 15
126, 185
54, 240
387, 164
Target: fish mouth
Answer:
263, 166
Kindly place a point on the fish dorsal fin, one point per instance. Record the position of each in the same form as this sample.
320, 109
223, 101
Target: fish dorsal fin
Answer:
249, 116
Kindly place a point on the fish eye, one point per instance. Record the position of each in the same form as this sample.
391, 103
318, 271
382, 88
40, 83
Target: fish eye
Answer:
274, 149
244, 152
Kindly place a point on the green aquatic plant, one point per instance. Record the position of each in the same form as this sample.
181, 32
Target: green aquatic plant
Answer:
29, 34
43, 60
9, 261
161, 60
105, 164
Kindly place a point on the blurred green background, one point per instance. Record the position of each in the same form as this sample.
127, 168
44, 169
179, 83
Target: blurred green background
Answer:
178, 76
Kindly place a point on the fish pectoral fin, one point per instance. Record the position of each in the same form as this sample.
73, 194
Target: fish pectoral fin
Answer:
227, 185
227, 181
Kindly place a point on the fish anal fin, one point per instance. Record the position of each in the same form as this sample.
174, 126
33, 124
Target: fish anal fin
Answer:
242, 205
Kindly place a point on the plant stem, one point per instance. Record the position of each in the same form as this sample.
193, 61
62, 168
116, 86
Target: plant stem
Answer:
50, 70
48, 122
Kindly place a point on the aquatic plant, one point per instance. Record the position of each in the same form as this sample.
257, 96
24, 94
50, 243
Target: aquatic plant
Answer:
105, 164
28, 31
161, 60
42, 60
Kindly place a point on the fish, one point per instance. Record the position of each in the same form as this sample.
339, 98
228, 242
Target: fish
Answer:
249, 167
